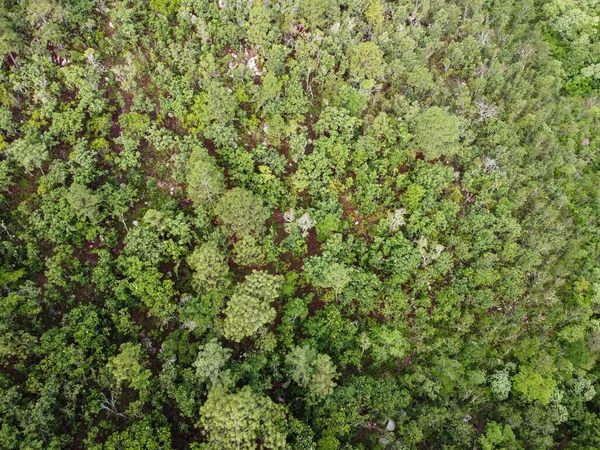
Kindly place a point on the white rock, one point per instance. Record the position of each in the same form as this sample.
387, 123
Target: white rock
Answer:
391, 425
253, 66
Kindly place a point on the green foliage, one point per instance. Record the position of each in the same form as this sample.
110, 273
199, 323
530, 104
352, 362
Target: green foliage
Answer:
84, 203
299, 224
262, 285
146, 283
248, 252
388, 345
534, 386
437, 133
249, 308
329, 275
126, 368
211, 360
500, 384
413, 196
327, 226
205, 181
240, 212
210, 266
165, 6
242, 420
141, 435
245, 315
27, 153
366, 62
318, 13
497, 437
311, 370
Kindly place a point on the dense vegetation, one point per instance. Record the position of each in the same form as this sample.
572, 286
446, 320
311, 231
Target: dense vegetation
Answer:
304, 224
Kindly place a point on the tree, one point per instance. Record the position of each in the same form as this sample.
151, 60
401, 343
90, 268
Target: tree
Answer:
366, 62
166, 7
533, 386
500, 383
141, 435
215, 106
261, 31
205, 180
145, 282
10, 39
437, 133
245, 315
317, 13
210, 266
261, 284
311, 370
241, 212
28, 154
84, 202
335, 276
243, 420
211, 360
388, 345
248, 252
498, 437
127, 368
375, 16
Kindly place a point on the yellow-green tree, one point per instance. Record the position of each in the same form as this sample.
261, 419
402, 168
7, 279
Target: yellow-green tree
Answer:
244, 420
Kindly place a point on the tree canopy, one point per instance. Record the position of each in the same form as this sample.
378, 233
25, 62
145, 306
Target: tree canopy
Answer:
300, 224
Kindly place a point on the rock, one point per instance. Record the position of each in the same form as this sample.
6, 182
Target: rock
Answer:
253, 66
391, 425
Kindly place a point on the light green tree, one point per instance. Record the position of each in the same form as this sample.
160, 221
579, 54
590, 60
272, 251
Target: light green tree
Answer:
311, 370
317, 12
205, 179
249, 308
375, 16
366, 62
244, 420
262, 284
145, 282
498, 437
245, 315
144, 434
261, 31
211, 360
388, 344
210, 266
84, 202
437, 133
534, 386
127, 367
29, 155
336, 276
240, 212
10, 39
500, 384
248, 252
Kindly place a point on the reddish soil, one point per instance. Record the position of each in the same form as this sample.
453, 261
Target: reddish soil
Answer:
86, 254
316, 304
351, 212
